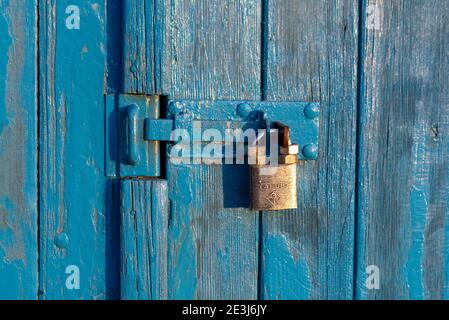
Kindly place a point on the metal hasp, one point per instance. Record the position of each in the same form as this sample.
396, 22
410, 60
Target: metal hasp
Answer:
135, 128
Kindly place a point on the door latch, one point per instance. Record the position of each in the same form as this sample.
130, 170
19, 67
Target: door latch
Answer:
138, 126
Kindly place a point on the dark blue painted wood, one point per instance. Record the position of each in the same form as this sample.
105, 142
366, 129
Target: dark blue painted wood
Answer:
403, 181
18, 150
311, 55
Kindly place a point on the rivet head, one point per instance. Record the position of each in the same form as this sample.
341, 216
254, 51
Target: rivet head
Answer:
312, 111
62, 240
310, 151
175, 107
244, 109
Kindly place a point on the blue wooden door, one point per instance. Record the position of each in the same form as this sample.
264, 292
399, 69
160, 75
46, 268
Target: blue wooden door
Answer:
18, 151
372, 217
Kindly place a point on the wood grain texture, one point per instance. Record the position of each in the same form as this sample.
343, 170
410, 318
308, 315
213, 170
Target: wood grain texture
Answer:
144, 239
403, 225
75, 197
311, 55
18, 150
139, 46
211, 50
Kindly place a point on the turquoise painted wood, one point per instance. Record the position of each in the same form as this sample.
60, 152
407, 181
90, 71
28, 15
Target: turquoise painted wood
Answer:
77, 201
377, 196
211, 50
144, 239
18, 150
311, 55
403, 167
212, 249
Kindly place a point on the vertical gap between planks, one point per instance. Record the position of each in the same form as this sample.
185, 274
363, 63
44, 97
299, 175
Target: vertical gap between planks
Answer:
151, 240
359, 139
263, 96
115, 43
264, 51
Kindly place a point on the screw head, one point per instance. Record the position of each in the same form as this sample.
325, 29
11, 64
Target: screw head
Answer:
310, 151
62, 240
244, 109
312, 111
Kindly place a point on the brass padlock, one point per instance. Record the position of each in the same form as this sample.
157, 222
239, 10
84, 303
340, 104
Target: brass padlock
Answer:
273, 187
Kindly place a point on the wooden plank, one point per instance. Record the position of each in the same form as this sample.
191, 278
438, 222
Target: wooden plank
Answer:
311, 55
144, 239
18, 150
139, 46
76, 208
211, 51
144, 235
403, 225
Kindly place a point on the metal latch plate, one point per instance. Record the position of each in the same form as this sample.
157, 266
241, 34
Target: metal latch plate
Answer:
301, 117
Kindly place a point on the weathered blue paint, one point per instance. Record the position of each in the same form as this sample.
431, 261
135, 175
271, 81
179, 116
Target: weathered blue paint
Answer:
403, 171
139, 46
296, 271
75, 196
18, 150
211, 50
200, 243
144, 239
311, 55
212, 249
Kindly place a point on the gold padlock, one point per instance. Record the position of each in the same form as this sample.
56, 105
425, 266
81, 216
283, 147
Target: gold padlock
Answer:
274, 187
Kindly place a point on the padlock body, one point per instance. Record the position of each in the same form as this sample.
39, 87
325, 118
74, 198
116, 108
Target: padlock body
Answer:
273, 188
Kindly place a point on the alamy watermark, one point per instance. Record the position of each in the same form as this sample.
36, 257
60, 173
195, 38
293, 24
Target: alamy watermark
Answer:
372, 282
72, 281
229, 146
73, 20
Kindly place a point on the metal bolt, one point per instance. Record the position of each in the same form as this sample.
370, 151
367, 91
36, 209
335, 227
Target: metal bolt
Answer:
244, 109
312, 111
310, 151
62, 240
